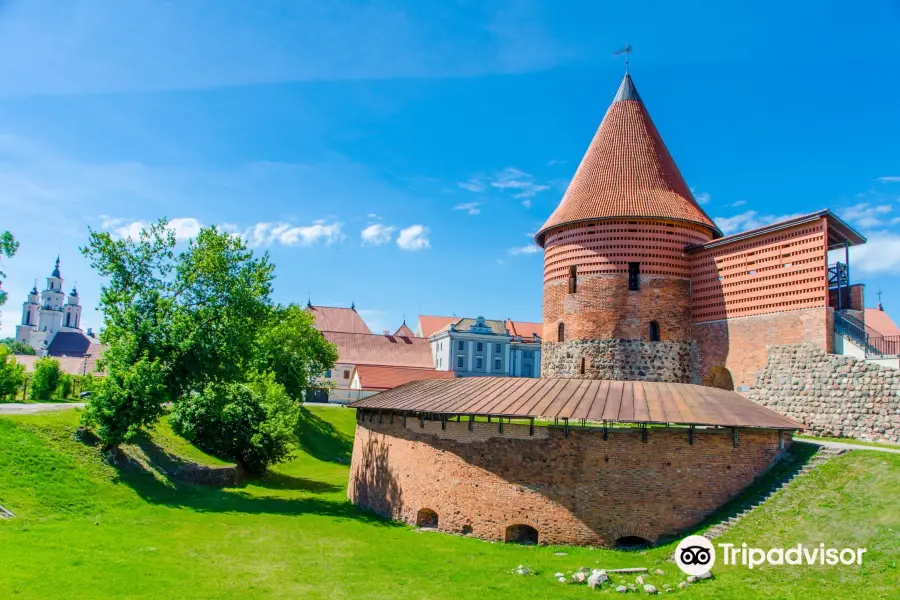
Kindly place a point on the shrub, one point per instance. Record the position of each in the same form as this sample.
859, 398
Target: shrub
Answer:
12, 374
251, 423
45, 379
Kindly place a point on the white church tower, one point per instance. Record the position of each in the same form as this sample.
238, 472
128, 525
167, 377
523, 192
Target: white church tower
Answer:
41, 321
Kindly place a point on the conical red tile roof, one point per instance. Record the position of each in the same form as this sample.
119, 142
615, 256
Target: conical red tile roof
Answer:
627, 171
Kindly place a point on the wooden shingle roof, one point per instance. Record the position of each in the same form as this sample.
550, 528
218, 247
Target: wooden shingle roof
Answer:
592, 400
627, 171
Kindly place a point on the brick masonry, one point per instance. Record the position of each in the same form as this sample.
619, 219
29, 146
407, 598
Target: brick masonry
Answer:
742, 345
603, 308
833, 395
623, 360
579, 489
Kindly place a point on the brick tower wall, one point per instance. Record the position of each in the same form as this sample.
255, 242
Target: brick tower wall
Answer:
607, 324
579, 489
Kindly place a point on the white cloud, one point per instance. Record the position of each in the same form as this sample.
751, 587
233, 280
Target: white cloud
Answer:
414, 237
286, 234
526, 203
702, 198
184, 227
889, 179
473, 185
518, 181
866, 215
747, 220
471, 208
738, 203
529, 249
555, 162
880, 255
377, 234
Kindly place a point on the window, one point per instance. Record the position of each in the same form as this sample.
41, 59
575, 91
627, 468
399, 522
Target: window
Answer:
346, 374
460, 362
496, 348
561, 332
573, 279
461, 346
654, 331
581, 367
498, 364
328, 373
478, 363
528, 354
479, 347
634, 276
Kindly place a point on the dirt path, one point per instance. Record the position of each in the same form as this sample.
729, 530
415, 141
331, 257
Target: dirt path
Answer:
36, 407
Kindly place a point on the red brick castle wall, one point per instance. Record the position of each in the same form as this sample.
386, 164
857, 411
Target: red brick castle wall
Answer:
579, 489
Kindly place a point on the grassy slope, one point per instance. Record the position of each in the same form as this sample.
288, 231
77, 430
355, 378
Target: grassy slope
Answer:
87, 531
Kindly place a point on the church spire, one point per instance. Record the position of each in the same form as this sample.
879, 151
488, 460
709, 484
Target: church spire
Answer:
55, 272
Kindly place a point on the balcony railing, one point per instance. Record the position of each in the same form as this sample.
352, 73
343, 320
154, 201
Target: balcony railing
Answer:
873, 343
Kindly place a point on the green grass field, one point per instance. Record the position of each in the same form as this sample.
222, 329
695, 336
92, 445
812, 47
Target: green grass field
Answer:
86, 530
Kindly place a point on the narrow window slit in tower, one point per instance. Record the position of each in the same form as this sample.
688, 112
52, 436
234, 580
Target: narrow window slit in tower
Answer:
581, 367
691, 435
634, 276
573, 279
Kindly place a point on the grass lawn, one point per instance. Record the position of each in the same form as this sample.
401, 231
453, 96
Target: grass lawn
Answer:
85, 530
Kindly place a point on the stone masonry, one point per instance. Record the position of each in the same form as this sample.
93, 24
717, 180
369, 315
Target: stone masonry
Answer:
622, 360
573, 489
833, 395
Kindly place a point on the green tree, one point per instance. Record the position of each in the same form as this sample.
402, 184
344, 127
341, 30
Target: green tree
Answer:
17, 347
12, 374
8, 248
293, 349
251, 423
174, 323
66, 386
45, 379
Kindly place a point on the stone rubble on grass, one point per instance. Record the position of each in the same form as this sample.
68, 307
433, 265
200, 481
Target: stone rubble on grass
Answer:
692, 579
523, 570
649, 589
560, 554
683, 585
660, 572
597, 579
621, 589
639, 580
578, 577
707, 575
561, 579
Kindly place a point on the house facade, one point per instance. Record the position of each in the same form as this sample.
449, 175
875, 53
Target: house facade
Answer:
483, 347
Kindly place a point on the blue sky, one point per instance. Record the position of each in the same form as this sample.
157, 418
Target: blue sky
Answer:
401, 154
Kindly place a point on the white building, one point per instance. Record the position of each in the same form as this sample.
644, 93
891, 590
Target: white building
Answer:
51, 324
486, 347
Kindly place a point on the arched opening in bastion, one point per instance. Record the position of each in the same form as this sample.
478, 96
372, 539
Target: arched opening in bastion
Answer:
521, 534
719, 377
427, 518
654, 331
631, 542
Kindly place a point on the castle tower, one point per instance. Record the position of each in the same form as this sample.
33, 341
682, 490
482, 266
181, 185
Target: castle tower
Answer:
616, 279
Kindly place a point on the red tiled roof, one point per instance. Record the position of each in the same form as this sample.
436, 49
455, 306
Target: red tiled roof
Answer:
430, 324
373, 349
333, 318
524, 328
593, 400
881, 322
380, 377
405, 330
627, 171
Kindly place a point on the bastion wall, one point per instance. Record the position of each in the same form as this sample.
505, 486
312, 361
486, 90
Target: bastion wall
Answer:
570, 484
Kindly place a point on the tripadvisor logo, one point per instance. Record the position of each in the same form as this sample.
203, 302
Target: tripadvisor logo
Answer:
696, 555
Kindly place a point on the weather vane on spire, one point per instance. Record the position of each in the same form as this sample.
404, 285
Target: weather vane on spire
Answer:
626, 50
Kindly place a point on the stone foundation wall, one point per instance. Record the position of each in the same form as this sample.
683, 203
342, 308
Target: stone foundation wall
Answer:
579, 489
831, 394
623, 360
